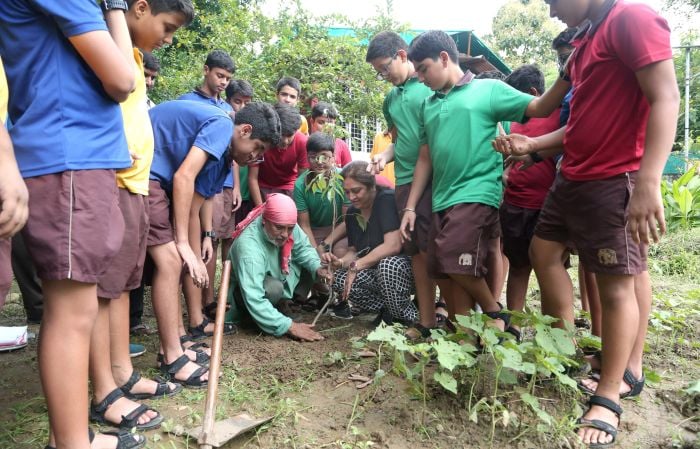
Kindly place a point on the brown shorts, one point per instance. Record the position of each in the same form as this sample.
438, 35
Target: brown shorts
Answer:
424, 216
5, 269
160, 229
593, 216
224, 218
517, 229
126, 269
244, 210
459, 239
75, 227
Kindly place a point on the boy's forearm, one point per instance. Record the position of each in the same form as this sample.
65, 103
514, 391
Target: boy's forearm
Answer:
183, 189
548, 102
206, 215
421, 177
237, 176
388, 153
553, 141
118, 29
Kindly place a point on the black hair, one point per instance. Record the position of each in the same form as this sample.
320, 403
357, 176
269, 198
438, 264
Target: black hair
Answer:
490, 75
320, 142
150, 62
564, 38
357, 171
323, 109
288, 81
183, 7
385, 45
430, 44
525, 77
239, 87
290, 119
220, 59
264, 120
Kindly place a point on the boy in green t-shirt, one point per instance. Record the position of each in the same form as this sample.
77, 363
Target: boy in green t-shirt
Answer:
458, 123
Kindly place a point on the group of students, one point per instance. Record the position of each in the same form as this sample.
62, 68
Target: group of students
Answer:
120, 179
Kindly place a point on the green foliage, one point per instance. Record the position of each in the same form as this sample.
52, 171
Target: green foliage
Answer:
265, 49
682, 200
522, 33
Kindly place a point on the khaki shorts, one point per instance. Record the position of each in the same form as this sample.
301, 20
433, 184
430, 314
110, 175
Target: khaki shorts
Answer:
460, 238
75, 227
424, 216
593, 216
126, 270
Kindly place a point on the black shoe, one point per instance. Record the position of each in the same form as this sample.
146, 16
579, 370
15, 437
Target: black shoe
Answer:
341, 310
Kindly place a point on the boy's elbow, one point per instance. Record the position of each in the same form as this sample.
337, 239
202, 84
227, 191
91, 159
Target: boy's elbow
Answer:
120, 88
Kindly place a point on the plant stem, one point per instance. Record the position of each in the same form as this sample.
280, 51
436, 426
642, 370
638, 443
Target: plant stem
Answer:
352, 415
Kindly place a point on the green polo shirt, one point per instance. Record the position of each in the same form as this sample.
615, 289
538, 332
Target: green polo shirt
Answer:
317, 204
459, 127
243, 183
402, 110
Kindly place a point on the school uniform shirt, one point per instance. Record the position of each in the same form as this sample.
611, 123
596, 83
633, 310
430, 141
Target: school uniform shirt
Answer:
401, 109
62, 117
606, 131
317, 204
243, 183
177, 127
256, 257
281, 166
342, 153
528, 188
459, 127
198, 95
363, 235
139, 134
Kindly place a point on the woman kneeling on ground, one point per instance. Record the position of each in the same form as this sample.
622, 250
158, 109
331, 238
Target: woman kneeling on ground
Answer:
373, 276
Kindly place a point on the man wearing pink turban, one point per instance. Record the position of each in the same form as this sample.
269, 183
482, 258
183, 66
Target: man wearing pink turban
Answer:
268, 254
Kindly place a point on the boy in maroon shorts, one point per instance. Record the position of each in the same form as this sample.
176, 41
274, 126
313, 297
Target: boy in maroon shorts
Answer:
606, 198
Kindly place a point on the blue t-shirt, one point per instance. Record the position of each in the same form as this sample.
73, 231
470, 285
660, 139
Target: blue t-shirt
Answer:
197, 95
63, 119
180, 125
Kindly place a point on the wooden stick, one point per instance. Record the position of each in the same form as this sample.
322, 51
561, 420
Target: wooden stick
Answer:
331, 297
215, 361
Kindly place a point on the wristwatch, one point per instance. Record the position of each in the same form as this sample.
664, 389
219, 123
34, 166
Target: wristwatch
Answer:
536, 157
563, 75
353, 267
108, 5
324, 246
211, 234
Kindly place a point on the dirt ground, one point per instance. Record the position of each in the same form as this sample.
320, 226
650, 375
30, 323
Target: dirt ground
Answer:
305, 388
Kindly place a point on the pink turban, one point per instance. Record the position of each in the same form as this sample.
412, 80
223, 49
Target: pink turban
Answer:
279, 209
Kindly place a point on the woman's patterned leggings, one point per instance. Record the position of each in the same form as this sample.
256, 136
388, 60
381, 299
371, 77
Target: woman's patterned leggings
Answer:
388, 285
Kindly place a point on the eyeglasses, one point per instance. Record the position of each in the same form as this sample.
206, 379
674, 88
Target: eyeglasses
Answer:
321, 159
384, 72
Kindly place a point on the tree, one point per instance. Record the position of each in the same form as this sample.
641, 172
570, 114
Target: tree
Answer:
522, 33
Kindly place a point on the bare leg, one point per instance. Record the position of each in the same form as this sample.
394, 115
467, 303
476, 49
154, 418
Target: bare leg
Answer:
478, 289
516, 289
582, 288
70, 309
594, 303
425, 290
208, 291
555, 283
495, 275
620, 331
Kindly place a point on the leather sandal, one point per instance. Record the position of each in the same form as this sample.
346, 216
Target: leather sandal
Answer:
130, 420
193, 381
162, 390
601, 425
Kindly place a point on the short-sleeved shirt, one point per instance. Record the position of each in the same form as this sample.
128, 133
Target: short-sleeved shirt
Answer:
459, 127
401, 110
139, 134
379, 144
342, 153
177, 127
243, 183
198, 95
528, 188
384, 218
281, 166
62, 117
606, 131
317, 204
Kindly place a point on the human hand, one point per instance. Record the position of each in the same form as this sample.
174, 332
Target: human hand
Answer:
207, 250
193, 264
526, 160
14, 201
304, 332
646, 212
237, 199
349, 280
408, 222
376, 164
331, 259
323, 273
516, 144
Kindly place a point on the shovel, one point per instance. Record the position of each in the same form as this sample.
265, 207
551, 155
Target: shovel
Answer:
215, 434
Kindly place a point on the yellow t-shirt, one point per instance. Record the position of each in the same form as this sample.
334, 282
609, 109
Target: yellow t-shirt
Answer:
4, 94
139, 135
304, 128
381, 141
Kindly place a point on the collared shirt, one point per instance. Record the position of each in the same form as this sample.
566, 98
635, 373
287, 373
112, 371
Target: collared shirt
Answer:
198, 95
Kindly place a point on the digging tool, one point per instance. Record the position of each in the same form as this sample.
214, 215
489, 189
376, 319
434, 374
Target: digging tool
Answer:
216, 434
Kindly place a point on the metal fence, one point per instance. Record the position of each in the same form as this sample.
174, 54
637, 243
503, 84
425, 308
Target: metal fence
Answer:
361, 132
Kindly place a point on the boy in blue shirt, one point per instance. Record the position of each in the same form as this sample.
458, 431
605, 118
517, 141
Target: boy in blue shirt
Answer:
195, 145
218, 69
68, 155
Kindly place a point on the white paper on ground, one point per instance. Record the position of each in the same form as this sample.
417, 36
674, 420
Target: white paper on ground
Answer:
13, 336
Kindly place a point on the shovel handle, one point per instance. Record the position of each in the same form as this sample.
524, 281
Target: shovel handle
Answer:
215, 362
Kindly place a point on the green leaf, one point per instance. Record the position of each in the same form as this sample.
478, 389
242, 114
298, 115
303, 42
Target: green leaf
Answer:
361, 222
510, 358
450, 354
534, 404
447, 380
693, 389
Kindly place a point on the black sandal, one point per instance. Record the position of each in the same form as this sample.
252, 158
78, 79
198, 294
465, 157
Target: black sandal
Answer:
129, 421
162, 390
636, 385
601, 425
198, 332
125, 439
193, 381
199, 348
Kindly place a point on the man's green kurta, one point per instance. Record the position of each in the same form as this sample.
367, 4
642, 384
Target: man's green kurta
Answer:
253, 257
